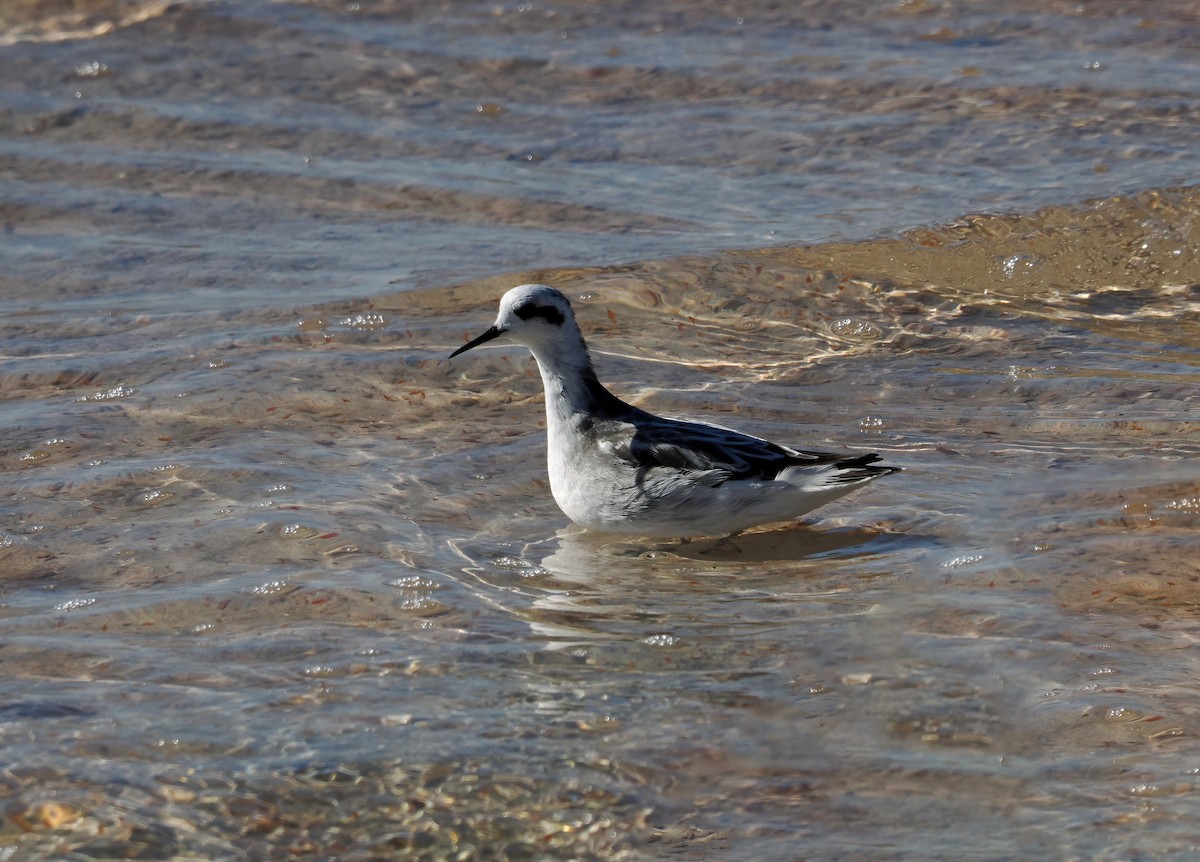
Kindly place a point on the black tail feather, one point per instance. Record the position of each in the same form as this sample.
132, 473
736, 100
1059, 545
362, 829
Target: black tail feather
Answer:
859, 468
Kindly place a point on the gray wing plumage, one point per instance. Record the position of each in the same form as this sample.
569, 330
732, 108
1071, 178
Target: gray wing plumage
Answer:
694, 446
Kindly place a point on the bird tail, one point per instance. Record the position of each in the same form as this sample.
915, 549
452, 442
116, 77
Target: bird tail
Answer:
861, 468
837, 472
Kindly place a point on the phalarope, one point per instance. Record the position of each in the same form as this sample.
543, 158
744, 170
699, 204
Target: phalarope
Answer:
616, 468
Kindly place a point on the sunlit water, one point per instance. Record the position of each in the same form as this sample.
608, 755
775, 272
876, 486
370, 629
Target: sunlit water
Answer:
280, 581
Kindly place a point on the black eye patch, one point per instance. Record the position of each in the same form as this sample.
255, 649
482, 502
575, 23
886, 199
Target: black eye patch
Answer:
547, 312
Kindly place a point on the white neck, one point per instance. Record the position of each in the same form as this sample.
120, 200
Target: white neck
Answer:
567, 375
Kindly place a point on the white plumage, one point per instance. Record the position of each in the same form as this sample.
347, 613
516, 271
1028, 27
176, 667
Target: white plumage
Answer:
617, 468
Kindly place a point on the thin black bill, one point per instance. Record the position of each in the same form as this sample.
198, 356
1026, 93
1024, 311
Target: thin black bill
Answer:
493, 332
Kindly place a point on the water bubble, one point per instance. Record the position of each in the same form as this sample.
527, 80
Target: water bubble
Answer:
153, 497
108, 394
854, 329
74, 604
414, 582
962, 560
370, 320
297, 531
1018, 264
661, 640
44, 451
93, 69
270, 588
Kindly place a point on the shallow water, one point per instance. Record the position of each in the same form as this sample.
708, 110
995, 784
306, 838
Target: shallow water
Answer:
279, 581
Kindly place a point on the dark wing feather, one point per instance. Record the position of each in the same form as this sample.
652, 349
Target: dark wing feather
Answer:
697, 447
